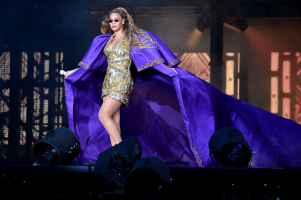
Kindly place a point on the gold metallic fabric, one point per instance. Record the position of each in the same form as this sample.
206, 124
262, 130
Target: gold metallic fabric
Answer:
118, 82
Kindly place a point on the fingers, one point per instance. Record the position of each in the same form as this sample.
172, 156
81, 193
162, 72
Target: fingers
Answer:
68, 74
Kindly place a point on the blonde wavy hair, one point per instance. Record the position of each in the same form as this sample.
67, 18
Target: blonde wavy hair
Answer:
131, 31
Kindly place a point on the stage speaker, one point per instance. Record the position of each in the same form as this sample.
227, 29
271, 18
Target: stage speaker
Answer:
229, 148
57, 147
148, 179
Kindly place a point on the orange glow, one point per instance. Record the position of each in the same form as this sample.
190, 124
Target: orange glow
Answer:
286, 78
238, 82
298, 55
299, 72
238, 63
230, 77
298, 104
196, 63
286, 53
194, 39
234, 28
230, 54
274, 94
259, 41
286, 108
274, 61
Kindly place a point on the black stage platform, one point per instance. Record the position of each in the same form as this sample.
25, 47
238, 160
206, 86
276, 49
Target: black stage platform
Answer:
187, 183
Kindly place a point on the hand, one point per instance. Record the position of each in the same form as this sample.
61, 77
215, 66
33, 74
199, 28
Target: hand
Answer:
68, 74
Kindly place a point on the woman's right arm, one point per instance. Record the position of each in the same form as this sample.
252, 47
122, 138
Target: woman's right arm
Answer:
70, 72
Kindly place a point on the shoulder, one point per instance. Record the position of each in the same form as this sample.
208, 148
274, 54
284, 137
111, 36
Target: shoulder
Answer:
102, 37
152, 35
150, 38
100, 41
158, 43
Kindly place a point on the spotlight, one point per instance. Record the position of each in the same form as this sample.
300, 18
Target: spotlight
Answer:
202, 21
57, 147
242, 24
114, 164
229, 148
147, 179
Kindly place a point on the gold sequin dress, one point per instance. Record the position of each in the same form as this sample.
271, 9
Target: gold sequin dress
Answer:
118, 82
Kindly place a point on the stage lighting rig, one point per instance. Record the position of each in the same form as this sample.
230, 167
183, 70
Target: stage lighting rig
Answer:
203, 20
147, 180
237, 24
229, 148
57, 147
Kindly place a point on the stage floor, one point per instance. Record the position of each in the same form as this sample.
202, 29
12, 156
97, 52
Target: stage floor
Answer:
72, 181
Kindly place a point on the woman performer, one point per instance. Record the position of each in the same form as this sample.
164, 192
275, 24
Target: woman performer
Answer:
172, 112
118, 82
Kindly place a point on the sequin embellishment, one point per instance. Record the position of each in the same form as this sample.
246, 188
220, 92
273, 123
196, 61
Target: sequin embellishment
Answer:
118, 82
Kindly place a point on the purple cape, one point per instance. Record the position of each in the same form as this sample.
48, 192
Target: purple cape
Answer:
173, 113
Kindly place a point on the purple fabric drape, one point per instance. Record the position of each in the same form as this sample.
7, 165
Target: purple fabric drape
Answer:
173, 113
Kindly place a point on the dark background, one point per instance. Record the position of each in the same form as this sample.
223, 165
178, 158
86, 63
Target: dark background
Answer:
32, 95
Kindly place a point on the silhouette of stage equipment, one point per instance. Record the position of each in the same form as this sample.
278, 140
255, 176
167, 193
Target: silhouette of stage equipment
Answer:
229, 148
149, 177
113, 165
57, 147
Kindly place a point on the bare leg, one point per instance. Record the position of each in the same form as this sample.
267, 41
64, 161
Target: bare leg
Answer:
116, 119
109, 116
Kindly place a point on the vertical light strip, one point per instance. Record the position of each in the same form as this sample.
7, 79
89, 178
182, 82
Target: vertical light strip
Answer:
37, 57
274, 94
23, 109
61, 60
286, 108
45, 113
298, 55
24, 65
238, 62
4, 108
238, 71
62, 65
36, 113
4, 97
286, 78
4, 105
56, 97
57, 57
230, 77
5, 132
5, 66
55, 122
61, 97
46, 67
230, 54
238, 82
22, 136
274, 61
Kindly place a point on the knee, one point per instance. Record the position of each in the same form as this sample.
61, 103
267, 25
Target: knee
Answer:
102, 117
